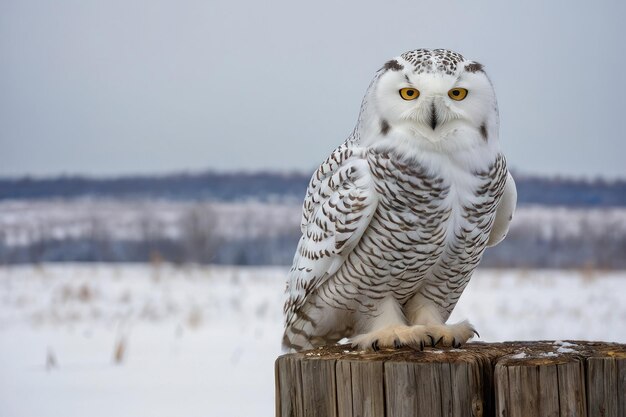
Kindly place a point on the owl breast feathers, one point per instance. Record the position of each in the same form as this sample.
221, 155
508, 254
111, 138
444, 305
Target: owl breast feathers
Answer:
397, 218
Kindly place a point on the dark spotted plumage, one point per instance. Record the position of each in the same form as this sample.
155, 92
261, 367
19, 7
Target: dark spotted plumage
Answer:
434, 60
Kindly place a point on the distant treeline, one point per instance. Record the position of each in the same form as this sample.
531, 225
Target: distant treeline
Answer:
253, 233
519, 250
186, 187
267, 186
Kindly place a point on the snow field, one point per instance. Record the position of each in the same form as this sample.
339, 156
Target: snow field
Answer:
159, 340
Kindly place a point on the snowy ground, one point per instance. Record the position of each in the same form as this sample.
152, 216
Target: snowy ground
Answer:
146, 340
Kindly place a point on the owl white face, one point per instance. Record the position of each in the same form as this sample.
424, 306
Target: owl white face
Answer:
436, 97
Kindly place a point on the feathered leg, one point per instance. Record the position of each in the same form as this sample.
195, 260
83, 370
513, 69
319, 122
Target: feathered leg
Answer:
381, 327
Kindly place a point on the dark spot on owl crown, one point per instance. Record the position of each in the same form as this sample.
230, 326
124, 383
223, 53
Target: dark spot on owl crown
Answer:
393, 65
474, 67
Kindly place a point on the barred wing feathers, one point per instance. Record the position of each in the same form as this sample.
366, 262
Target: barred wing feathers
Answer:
340, 202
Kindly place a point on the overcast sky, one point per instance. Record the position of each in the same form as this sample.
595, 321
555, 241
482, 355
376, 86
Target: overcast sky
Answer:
118, 87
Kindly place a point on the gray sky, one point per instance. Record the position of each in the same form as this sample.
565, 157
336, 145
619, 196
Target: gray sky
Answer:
117, 87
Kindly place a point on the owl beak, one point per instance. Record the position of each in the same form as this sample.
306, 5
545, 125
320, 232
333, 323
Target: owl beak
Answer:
433, 116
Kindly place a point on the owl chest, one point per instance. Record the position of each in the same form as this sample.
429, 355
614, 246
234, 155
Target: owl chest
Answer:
423, 221
414, 219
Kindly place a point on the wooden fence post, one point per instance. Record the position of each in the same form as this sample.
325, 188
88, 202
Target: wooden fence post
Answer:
525, 379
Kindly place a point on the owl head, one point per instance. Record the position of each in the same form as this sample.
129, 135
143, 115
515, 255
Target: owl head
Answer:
430, 98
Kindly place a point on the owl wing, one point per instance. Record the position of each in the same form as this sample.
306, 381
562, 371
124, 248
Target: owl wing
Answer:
340, 202
504, 212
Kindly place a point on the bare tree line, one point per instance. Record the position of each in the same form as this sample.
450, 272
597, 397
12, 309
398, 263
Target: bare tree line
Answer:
250, 234
197, 240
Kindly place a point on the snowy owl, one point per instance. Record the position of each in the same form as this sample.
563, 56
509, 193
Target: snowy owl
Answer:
397, 218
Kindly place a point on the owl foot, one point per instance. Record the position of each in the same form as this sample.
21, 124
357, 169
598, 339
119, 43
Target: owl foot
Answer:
416, 337
388, 337
450, 335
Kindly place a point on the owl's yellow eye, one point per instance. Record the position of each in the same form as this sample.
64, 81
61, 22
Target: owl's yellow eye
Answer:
457, 94
409, 93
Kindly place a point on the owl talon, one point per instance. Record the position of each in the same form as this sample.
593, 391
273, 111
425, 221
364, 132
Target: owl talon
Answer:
453, 342
476, 333
397, 344
375, 346
432, 340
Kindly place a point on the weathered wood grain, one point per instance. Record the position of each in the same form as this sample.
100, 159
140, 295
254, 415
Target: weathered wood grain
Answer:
432, 388
550, 386
344, 389
289, 388
526, 379
319, 386
360, 388
606, 383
